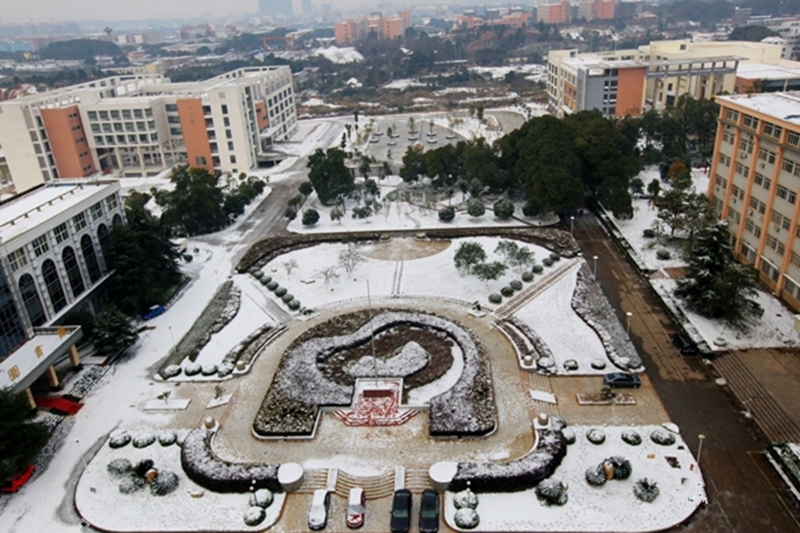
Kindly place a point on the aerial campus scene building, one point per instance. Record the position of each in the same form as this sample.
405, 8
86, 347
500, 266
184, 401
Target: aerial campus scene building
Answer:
380, 315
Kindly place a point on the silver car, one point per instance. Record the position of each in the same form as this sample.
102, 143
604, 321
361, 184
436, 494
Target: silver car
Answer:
318, 514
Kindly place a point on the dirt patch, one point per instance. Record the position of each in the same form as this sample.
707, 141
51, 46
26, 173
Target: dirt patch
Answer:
404, 249
675, 272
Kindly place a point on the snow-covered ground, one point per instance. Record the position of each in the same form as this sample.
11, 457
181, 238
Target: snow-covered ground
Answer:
612, 507
340, 56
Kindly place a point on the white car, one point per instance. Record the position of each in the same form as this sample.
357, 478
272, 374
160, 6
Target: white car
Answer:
318, 514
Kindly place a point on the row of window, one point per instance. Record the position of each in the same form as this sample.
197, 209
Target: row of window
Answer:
742, 170
736, 192
99, 140
753, 228
786, 194
761, 207
115, 114
763, 181
776, 245
119, 127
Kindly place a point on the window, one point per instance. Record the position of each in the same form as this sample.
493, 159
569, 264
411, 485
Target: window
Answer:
40, 245
731, 115
772, 242
53, 285
724, 160
148, 112
741, 169
126, 113
782, 192
90, 258
224, 109
228, 134
750, 122
103, 115
795, 260
720, 181
107, 128
17, 259
112, 202
226, 121
172, 119
772, 130
200, 161
174, 131
786, 223
92, 115
788, 165
746, 146
171, 108
137, 113
31, 300
737, 192
115, 113
73, 271
776, 218
95, 128
230, 145
130, 126
79, 221
792, 197
233, 159
61, 233
766, 155
793, 138
206, 109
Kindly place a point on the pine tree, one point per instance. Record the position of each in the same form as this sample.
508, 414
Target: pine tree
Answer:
21, 439
715, 285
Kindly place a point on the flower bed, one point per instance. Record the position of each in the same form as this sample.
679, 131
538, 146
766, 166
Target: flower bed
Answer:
301, 385
523, 473
591, 305
205, 468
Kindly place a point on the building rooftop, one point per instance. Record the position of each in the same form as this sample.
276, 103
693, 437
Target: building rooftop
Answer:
764, 71
26, 211
783, 106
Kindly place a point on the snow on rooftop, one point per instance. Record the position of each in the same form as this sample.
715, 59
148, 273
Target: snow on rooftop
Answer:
27, 211
340, 55
764, 71
783, 106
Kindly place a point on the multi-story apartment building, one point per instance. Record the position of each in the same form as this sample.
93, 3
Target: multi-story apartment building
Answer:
374, 26
52, 262
141, 124
621, 82
554, 12
755, 181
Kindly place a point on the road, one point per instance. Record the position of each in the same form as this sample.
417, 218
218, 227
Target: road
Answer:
745, 493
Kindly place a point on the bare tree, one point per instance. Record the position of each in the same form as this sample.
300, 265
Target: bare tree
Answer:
349, 258
289, 265
329, 274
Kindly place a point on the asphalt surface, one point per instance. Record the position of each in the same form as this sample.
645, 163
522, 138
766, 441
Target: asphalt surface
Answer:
745, 493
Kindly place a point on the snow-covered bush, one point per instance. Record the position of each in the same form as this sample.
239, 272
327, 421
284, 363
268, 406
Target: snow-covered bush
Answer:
170, 371
527, 277
622, 467
465, 498
294, 305
507, 291
547, 262
266, 279
648, 233
288, 297
119, 466
164, 483
447, 214
209, 369
595, 476
516, 284
631, 437
143, 440
596, 436
272, 285
662, 437
495, 298
254, 516
570, 364
537, 269
120, 439
598, 364
569, 435
552, 492
280, 292
225, 369
467, 518
167, 438
646, 490
261, 498
131, 484
191, 369
663, 254
557, 423
555, 257
142, 467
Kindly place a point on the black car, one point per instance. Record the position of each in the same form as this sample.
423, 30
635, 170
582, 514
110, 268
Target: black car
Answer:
621, 379
684, 344
429, 512
401, 511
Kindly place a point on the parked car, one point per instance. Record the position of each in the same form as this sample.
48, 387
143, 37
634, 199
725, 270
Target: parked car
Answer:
318, 514
355, 508
684, 344
18, 481
154, 311
621, 379
429, 512
401, 511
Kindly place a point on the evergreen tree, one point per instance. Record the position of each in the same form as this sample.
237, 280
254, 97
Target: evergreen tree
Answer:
21, 439
329, 175
113, 332
715, 285
195, 204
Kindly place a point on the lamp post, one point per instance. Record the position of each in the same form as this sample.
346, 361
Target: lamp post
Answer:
628, 324
572, 226
595, 267
83, 458
700, 438
170, 335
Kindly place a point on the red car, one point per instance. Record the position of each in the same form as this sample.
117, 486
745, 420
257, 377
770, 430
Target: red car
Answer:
15, 484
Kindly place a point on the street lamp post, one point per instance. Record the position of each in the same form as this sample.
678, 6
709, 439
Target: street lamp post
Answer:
701, 438
572, 225
595, 267
628, 325
83, 458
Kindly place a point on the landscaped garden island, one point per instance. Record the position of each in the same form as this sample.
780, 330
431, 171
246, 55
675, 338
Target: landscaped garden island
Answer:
393, 362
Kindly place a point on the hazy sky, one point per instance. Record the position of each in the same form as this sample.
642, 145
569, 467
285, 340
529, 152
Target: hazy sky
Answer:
76, 10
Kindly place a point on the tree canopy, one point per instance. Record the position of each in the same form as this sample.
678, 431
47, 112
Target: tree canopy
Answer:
751, 33
195, 204
81, 49
21, 439
329, 175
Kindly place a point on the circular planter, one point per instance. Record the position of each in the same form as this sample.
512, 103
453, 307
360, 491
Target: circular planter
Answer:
290, 476
441, 474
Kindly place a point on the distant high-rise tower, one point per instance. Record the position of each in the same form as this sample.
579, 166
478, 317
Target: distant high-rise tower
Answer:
306, 7
275, 8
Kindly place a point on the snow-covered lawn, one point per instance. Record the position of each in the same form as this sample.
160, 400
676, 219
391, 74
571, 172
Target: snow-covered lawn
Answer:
612, 507
188, 508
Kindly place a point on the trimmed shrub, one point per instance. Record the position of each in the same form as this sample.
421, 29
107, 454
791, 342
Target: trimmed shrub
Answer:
280, 292
646, 490
547, 262
595, 476
631, 437
598, 364
294, 305
662, 437
266, 279
516, 284
571, 364
167, 438
552, 492
257, 273
622, 467
465, 499
131, 484
119, 440
557, 423
272, 285
191, 369
254, 516
447, 214
142, 467
209, 369
287, 298
537, 269
467, 518
527, 277
649, 233
475, 207
507, 291
310, 217
495, 298
119, 466
143, 440
225, 369
170, 371
261, 498
164, 483
663, 255
596, 436
555, 257
503, 209
569, 435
